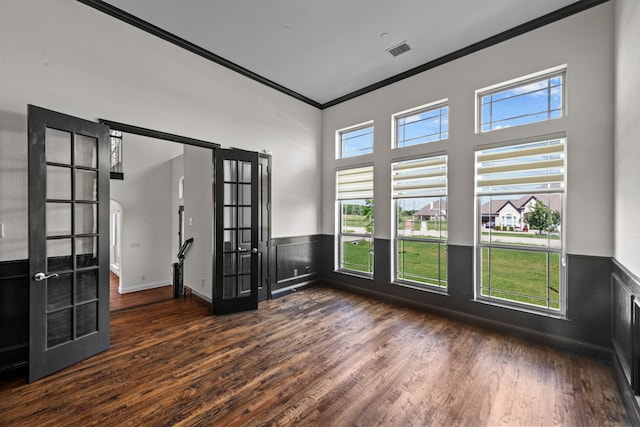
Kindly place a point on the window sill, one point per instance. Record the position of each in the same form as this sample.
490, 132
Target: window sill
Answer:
520, 308
368, 276
426, 288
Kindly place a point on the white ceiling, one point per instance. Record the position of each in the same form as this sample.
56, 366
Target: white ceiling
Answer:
325, 49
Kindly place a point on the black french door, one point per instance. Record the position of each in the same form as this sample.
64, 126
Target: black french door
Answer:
68, 240
236, 281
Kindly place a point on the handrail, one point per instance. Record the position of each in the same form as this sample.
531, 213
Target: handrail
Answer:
178, 277
185, 246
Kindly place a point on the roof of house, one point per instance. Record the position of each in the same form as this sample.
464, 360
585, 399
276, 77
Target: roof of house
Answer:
553, 200
439, 207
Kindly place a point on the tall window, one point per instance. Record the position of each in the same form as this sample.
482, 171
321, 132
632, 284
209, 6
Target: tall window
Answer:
355, 141
354, 197
520, 252
420, 203
525, 101
421, 125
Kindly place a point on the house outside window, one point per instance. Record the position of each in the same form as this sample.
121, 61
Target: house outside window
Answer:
520, 256
354, 201
421, 214
355, 141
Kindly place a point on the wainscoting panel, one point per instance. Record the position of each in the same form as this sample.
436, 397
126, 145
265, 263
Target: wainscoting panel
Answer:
625, 335
621, 332
14, 314
296, 262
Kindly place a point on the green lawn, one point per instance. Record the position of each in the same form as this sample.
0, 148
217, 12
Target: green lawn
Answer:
422, 262
506, 273
516, 275
358, 256
353, 221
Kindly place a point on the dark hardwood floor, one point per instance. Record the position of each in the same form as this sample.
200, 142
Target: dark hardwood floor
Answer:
120, 301
314, 357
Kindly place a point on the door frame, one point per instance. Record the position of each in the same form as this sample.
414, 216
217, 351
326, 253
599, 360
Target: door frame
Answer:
150, 133
137, 130
264, 288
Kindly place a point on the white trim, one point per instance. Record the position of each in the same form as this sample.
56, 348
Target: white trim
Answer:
143, 287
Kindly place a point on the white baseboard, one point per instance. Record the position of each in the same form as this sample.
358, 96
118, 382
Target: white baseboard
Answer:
201, 296
114, 270
143, 287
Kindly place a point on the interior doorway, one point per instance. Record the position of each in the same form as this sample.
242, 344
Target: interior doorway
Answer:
191, 213
144, 231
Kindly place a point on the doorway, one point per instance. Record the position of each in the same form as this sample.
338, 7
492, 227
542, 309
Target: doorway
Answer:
149, 191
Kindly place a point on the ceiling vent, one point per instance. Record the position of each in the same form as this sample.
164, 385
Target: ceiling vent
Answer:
399, 49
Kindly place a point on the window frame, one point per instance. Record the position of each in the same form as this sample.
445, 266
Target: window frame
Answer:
340, 153
340, 234
432, 106
559, 71
440, 241
480, 246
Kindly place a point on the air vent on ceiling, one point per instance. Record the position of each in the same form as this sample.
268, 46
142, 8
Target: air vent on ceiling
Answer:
399, 49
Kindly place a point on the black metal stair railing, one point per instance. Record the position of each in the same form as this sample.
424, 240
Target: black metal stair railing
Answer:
115, 141
178, 269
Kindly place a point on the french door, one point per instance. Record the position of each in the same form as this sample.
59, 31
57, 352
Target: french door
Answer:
236, 281
68, 240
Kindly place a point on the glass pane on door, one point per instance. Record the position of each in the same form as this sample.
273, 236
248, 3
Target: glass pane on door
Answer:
86, 151
58, 146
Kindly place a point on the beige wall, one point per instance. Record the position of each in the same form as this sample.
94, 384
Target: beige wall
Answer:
627, 134
65, 56
584, 43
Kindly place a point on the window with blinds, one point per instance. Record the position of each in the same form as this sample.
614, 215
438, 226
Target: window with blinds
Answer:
537, 166
420, 178
419, 192
354, 197
355, 183
520, 192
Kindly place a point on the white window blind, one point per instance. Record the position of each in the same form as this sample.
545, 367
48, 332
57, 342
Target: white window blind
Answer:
538, 166
420, 178
354, 184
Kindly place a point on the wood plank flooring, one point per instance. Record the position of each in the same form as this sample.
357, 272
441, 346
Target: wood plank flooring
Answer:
133, 299
315, 357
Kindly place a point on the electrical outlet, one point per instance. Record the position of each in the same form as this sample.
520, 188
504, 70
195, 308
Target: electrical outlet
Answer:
1, 231
202, 282
143, 277
295, 272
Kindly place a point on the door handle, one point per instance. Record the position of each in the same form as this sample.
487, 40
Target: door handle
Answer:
253, 250
39, 277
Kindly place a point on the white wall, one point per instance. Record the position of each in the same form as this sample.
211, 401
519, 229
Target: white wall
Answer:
63, 55
146, 199
583, 42
198, 215
177, 171
627, 135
